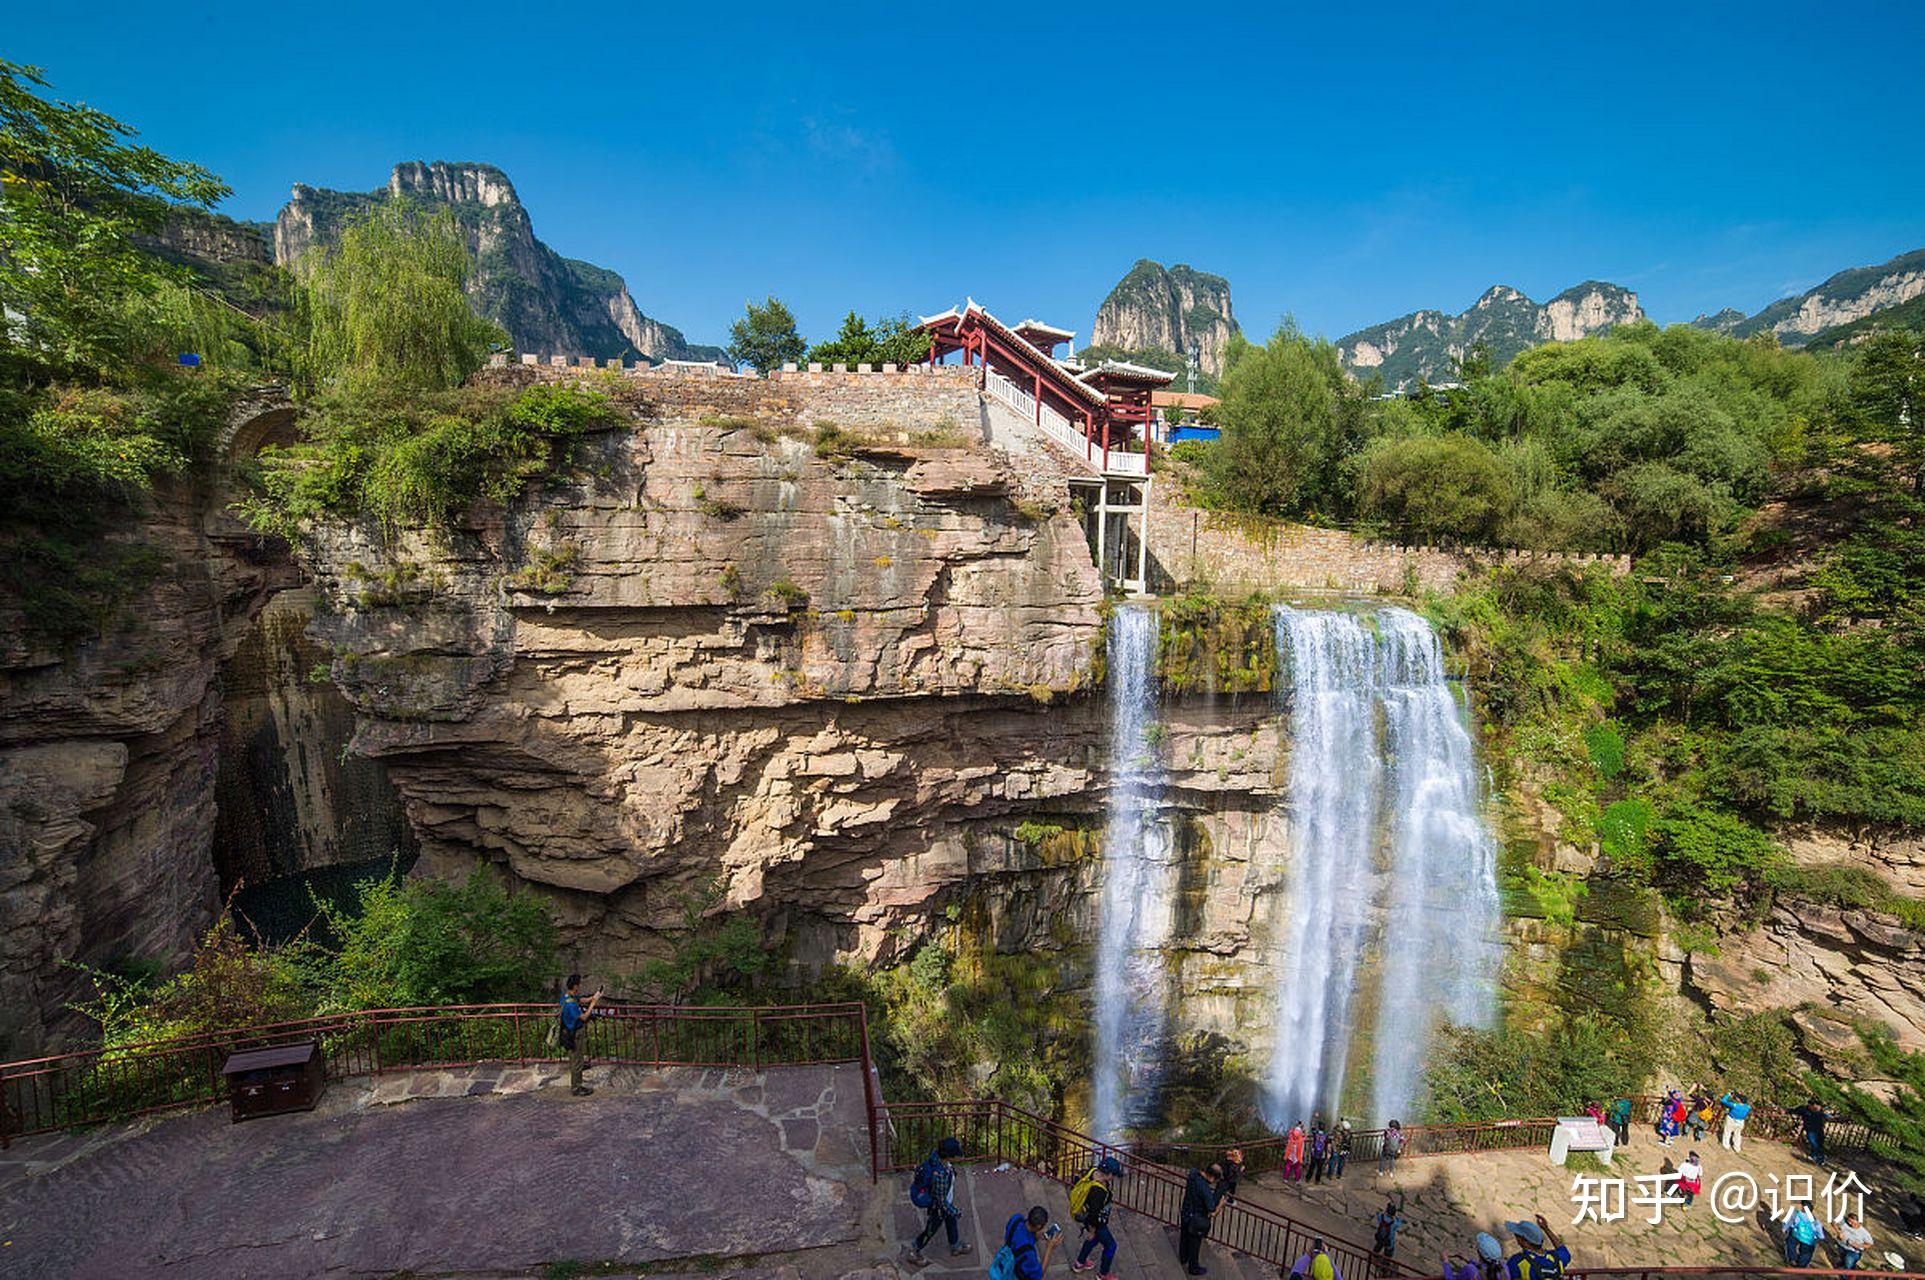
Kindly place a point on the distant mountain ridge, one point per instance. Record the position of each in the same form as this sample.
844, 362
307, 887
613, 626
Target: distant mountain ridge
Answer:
1835, 310
549, 304
1157, 315
1427, 344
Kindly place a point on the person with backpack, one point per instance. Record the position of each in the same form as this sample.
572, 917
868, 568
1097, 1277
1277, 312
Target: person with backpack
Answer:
1232, 1166
574, 1019
1542, 1255
1802, 1234
1090, 1202
1389, 1223
1315, 1265
1339, 1150
1392, 1148
1201, 1192
1319, 1153
933, 1190
1620, 1121
1018, 1259
1737, 1110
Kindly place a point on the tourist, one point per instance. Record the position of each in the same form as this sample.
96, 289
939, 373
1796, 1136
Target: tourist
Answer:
1200, 1193
1293, 1143
1232, 1175
1691, 1179
1620, 1118
1541, 1255
1851, 1243
1389, 1223
574, 1019
1093, 1215
1911, 1215
1813, 1116
1670, 1117
1319, 1153
1339, 1150
1315, 1265
1698, 1120
1737, 1109
1392, 1148
1020, 1238
933, 1190
1596, 1112
1802, 1234
1490, 1256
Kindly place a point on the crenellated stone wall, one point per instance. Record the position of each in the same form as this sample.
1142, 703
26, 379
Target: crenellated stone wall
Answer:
1236, 552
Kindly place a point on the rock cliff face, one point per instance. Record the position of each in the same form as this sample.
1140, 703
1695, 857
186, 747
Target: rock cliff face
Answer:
1841, 302
1167, 312
1428, 344
550, 305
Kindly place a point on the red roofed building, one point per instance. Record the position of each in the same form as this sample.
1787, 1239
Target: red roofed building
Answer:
1099, 416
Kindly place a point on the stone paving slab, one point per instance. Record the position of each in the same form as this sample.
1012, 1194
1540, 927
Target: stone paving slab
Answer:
654, 1165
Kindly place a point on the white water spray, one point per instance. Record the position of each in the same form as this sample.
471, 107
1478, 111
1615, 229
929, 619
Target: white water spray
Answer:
1440, 949
1438, 945
1139, 880
1335, 774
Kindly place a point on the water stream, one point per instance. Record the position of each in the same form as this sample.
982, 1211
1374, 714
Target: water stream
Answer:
1139, 883
1391, 858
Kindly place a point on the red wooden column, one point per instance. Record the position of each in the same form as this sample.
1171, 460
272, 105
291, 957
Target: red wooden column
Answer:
1039, 399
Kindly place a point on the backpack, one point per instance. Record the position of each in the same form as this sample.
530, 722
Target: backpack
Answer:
1540, 1266
922, 1188
1079, 1195
1804, 1229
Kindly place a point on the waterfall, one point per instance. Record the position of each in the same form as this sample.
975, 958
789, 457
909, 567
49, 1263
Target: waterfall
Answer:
1138, 897
1335, 780
1390, 850
1439, 949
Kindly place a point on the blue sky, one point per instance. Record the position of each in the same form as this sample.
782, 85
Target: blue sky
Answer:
1344, 163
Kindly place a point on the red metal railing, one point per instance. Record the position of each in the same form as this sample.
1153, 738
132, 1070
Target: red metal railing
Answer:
95, 1086
1265, 1154
992, 1131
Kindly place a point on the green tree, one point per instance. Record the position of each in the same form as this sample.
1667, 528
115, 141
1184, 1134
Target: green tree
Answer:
1888, 394
1438, 487
429, 941
386, 307
891, 340
1291, 421
79, 296
766, 337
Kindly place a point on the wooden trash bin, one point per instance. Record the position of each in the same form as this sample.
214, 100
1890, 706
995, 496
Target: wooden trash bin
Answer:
271, 1082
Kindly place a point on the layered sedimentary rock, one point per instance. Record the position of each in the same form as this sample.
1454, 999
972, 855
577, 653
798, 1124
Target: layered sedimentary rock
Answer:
107, 762
1837, 309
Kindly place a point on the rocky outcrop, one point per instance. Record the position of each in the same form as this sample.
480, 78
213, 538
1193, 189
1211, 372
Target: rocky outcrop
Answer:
1428, 345
1162, 314
1857, 965
107, 764
1841, 302
550, 305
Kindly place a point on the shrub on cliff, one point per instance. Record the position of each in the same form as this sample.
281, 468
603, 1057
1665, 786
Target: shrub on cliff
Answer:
420, 459
891, 340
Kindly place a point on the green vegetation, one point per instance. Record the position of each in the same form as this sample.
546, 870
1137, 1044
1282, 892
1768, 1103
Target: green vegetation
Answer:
95, 409
384, 308
891, 340
1902, 1118
766, 337
421, 458
421, 942
1210, 645
1614, 443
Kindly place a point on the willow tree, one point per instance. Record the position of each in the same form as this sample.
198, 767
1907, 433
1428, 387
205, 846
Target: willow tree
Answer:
386, 306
